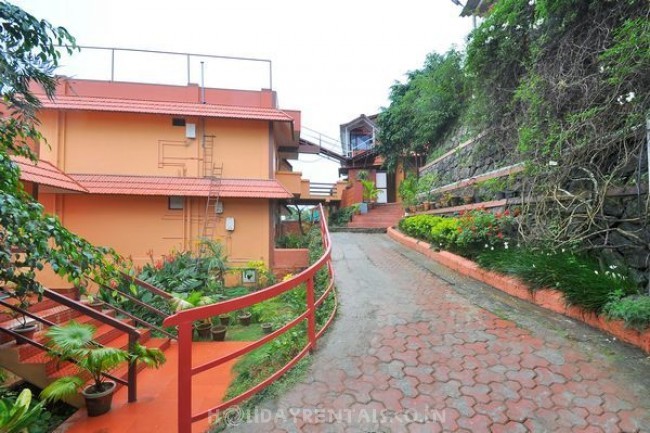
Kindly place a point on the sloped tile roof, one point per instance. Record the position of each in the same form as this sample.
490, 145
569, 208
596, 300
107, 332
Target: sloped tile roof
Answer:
180, 186
45, 173
171, 108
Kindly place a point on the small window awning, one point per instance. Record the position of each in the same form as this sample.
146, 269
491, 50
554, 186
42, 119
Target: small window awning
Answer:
46, 174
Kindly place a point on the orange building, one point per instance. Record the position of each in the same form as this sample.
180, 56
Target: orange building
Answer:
148, 168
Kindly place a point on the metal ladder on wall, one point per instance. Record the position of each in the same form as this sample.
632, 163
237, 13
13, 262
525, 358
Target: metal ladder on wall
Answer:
214, 174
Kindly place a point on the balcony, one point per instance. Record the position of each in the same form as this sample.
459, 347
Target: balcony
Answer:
305, 190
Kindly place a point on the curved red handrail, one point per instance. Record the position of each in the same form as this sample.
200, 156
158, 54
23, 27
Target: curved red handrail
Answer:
184, 320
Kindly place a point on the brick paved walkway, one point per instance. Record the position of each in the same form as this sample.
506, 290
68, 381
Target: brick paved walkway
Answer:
417, 348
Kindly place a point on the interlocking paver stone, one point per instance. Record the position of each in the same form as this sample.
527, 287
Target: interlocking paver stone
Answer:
413, 338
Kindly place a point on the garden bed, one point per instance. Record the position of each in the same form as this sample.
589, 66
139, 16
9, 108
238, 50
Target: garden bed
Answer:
547, 298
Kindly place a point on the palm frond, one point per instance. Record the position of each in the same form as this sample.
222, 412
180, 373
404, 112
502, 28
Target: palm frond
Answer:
151, 357
62, 388
70, 337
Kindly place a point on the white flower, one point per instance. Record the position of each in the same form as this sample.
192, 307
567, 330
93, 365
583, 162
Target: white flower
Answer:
563, 250
518, 27
596, 272
489, 39
492, 248
531, 2
620, 100
505, 245
601, 69
613, 266
486, 245
491, 28
630, 96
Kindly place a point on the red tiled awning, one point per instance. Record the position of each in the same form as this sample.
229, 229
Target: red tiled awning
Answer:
180, 186
172, 108
45, 173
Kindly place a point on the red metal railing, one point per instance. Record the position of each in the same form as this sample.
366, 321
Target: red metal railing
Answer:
184, 321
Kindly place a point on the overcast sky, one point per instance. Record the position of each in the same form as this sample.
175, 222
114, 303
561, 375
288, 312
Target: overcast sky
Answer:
333, 60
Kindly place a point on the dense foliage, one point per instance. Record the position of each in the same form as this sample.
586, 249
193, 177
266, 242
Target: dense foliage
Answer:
261, 363
488, 239
30, 239
183, 274
563, 86
422, 110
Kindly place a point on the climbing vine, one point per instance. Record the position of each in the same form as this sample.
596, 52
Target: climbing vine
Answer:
562, 85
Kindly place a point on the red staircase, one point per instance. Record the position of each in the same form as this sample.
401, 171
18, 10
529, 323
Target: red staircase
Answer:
381, 216
33, 364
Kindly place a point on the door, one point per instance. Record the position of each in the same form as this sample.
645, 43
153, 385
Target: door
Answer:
382, 186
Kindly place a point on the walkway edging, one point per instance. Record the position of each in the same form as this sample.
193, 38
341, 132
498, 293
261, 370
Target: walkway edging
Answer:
549, 299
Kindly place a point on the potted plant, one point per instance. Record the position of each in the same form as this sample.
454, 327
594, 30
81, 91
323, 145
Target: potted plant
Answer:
244, 318
224, 319
74, 341
25, 327
218, 332
408, 193
183, 301
425, 188
370, 192
267, 327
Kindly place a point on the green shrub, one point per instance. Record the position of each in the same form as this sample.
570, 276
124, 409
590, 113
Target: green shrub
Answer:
420, 226
341, 216
445, 232
633, 310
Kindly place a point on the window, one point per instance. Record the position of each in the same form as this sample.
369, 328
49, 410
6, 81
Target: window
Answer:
176, 203
178, 121
361, 139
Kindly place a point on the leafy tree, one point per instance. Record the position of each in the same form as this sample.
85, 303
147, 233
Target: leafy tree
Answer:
422, 110
29, 239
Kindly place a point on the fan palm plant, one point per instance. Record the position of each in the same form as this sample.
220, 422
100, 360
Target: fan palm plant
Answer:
74, 342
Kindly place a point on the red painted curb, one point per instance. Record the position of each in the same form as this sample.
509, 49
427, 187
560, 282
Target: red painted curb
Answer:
548, 298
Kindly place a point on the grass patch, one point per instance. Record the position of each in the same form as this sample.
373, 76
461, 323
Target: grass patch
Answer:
252, 332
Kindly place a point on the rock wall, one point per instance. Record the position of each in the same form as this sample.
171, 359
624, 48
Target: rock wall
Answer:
483, 154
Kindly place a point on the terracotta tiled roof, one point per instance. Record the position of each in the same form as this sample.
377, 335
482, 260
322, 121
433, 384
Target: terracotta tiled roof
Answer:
180, 186
172, 108
45, 173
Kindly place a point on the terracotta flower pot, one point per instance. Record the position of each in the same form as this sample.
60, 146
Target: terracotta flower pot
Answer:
244, 319
98, 402
26, 332
203, 330
97, 306
267, 328
218, 333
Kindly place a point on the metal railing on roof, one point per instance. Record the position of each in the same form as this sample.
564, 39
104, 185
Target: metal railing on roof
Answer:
133, 65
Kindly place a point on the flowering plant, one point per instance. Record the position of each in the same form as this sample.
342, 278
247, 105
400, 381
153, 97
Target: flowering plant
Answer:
480, 227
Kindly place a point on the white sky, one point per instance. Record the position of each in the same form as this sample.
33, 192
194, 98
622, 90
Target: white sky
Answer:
333, 60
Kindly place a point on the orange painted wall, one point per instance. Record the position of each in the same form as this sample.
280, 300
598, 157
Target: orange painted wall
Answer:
118, 143
135, 225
